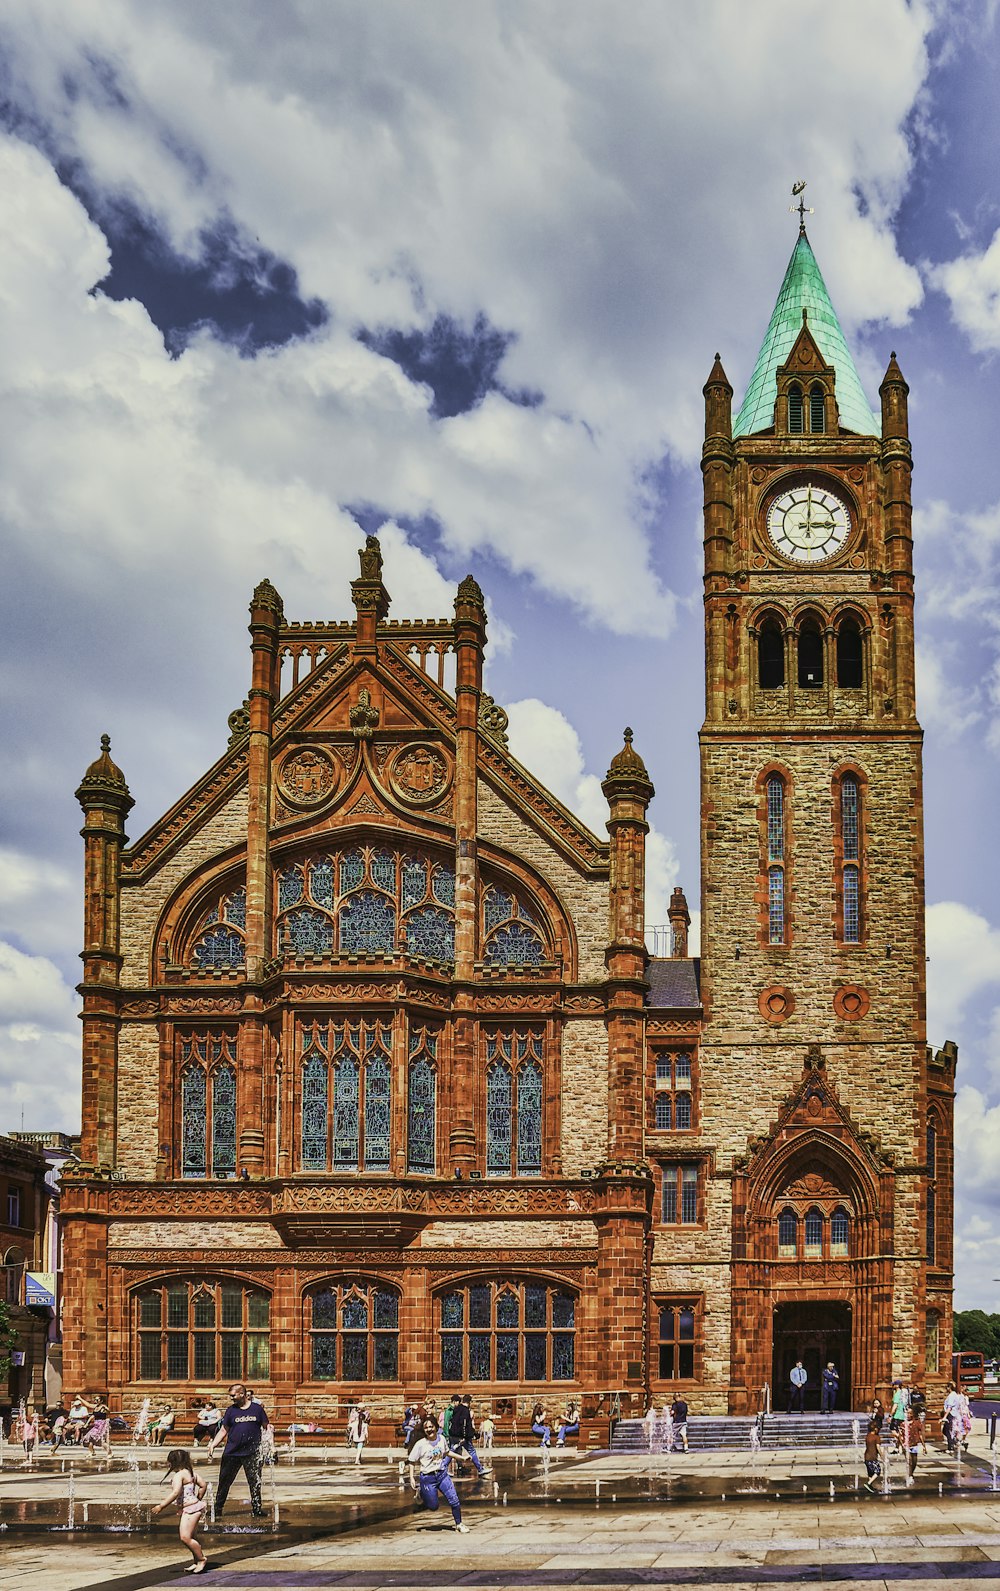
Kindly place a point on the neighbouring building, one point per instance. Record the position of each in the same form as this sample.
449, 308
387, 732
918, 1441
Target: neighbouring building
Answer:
30, 1261
383, 1091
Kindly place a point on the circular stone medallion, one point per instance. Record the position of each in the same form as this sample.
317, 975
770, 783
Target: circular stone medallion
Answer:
851, 1002
776, 1004
307, 777
419, 775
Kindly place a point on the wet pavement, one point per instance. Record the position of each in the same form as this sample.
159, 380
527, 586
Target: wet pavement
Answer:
613, 1521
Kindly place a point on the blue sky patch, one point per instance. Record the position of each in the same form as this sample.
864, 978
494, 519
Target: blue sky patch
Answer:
459, 364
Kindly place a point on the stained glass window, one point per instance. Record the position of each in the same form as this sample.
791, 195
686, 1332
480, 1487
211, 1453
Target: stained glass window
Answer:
346, 1116
529, 1119
514, 1091
352, 871
850, 812
361, 1321
321, 881
443, 885
499, 1120
378, 1112
204, 1330
510, 933
367, 923
235, 909
508, 1330
194, 1122
309, 933
315, 1113
208, 1105
359, 1093
430, 932
420, 1111
414, 881
852, 906
383, 871
223, 1121
220, 947
291, 887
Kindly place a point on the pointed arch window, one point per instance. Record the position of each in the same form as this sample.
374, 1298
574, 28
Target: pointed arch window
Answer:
788, 1234
931, 1194
510, 933
219, 945
514, 1102
208, 1105
817, 410
850, 655
421, 1096
850, 858
507, 1330
367, 900
204, 1330
796, 410
840, 1234
770, 656
810, 653
814, 1233
353, 1329
345, 1082
775, 792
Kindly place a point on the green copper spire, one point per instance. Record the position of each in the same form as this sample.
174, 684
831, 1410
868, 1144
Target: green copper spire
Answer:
804, 288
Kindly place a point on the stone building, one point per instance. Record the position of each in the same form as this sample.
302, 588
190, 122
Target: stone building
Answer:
382, 1089
25, 1201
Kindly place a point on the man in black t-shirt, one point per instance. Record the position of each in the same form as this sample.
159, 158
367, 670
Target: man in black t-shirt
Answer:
243, 1425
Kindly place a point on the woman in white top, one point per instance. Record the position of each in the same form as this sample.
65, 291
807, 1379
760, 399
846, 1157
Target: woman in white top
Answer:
432, 1455
187, 1493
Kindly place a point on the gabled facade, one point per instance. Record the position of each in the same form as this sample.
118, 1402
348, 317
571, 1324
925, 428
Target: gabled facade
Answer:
382, 1091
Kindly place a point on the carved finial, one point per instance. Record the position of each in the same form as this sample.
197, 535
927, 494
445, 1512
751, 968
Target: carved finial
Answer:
104, 779
364, 717
371, 559
105, 744
628, 737
265, 596
492, 719
627, 765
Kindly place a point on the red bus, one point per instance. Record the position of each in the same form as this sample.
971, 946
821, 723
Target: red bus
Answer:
968, 1371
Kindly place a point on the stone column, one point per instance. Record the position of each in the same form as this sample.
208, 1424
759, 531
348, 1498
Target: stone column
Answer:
470, 643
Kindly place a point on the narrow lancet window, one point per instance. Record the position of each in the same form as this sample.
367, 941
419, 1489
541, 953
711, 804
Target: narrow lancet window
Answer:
850, 656
771, 656
810, 656
850, 836
776, 859
796, 411
817, 412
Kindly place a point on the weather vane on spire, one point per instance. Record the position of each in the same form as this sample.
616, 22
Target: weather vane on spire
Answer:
798, 189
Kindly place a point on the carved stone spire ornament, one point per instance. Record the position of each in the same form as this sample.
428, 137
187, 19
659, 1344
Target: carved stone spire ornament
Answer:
265, 596
493, 720
364, 717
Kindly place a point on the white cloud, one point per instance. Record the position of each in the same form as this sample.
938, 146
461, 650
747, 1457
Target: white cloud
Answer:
544, 740
39, 1044
971, 283
37, 900
964, 952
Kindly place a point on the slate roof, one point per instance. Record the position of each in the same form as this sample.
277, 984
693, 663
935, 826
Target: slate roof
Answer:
804, 288
674, 984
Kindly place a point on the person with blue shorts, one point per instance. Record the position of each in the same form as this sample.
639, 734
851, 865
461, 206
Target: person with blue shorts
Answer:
432, 1455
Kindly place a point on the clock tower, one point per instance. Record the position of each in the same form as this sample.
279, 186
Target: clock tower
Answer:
833, 1122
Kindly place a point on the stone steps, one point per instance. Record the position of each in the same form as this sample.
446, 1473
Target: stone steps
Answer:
733, 1431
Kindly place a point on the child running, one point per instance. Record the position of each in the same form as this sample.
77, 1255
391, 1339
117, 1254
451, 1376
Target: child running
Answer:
873, 1454
187, 1493
27, 1430
433, 1455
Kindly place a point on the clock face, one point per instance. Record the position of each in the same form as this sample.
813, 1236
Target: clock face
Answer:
808, 523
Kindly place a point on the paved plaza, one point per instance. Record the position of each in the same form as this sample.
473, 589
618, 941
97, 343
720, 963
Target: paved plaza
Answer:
704, 1520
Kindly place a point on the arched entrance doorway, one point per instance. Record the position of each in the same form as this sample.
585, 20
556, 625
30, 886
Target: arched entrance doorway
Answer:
816, 1333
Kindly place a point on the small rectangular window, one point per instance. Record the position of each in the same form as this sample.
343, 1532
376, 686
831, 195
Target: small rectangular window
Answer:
664, 1119
680, 1195
689, 1201
677, 1341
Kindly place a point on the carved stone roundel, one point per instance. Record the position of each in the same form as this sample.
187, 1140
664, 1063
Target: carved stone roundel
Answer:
419, 775
308, 777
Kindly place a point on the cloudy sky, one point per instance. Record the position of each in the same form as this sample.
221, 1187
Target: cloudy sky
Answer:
274, 270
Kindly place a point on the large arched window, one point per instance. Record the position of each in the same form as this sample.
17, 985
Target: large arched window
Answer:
770, 655
367, 900
208, 1105
514, 1088
810, 655
850, 654
346, 1092
353, 1332
204, 1331
813, 1231
219, 939
508, 1330
817, 410
775, 793
796, 410
510, 933
850, 858
421, 1096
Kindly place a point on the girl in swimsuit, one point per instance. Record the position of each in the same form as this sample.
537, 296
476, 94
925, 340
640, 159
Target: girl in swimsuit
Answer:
187, 1494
